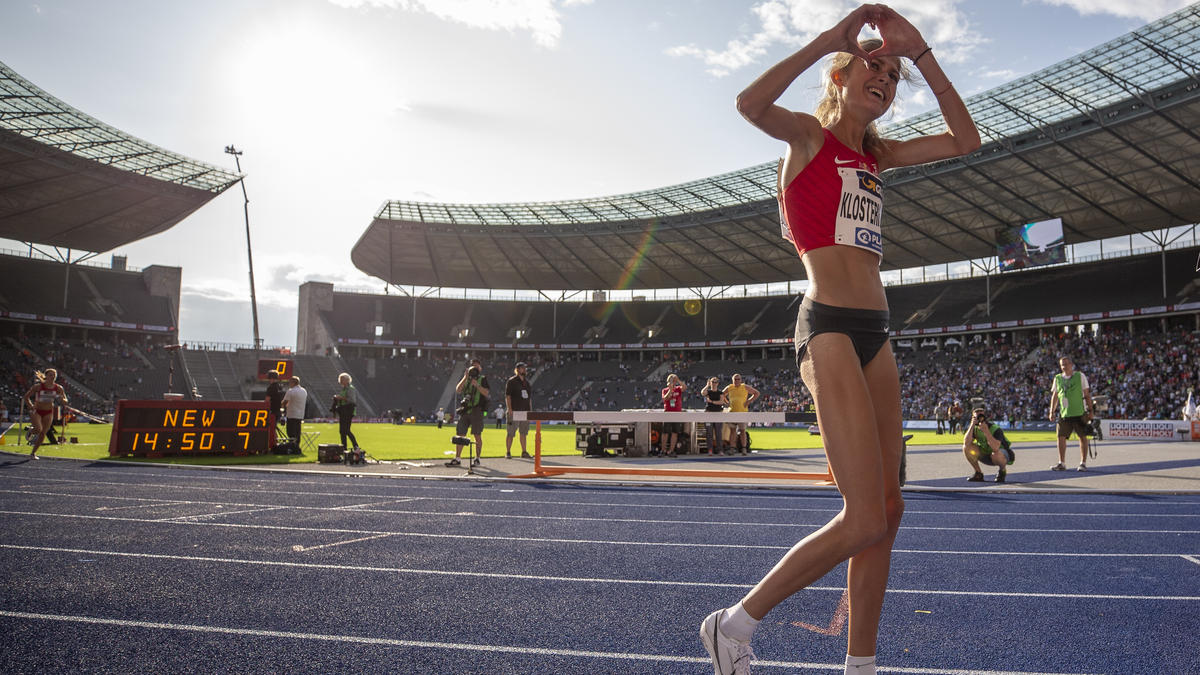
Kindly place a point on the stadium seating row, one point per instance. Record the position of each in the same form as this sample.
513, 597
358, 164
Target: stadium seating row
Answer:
1096, 287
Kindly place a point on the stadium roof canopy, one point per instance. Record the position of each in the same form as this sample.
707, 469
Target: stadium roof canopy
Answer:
1109, 141
69, 180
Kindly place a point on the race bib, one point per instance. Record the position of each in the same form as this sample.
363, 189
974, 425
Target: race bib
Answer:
859, 210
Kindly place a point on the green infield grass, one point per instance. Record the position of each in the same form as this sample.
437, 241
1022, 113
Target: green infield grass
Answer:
426, 441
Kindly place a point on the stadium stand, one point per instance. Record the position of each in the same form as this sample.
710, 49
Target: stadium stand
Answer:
86, 294
320, 377
955, 340
103, 328
1130, 358
1114, 284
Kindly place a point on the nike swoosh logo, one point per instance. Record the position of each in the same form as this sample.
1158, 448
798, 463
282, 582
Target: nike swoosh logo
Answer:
839, 160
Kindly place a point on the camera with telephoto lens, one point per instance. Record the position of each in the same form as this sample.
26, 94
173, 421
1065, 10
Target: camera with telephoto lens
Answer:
473, 372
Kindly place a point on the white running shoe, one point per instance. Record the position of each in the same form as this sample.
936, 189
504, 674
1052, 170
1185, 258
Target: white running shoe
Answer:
1058, 467
730, 657
1081, 467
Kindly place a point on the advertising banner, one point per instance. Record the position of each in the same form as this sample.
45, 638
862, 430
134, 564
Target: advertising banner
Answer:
1146, 430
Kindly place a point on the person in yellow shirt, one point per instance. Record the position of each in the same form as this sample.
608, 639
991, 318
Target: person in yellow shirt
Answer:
740, 396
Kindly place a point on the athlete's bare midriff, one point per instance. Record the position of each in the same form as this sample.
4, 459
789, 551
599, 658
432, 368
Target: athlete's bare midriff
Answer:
849, 277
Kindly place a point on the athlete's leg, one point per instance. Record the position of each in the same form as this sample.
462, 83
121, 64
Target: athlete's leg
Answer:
40, 424
868, 573
832, 373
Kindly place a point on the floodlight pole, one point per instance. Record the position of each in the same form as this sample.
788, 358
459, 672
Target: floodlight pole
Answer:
230, 150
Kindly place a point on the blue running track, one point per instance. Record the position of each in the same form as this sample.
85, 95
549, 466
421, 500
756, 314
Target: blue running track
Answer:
111, 568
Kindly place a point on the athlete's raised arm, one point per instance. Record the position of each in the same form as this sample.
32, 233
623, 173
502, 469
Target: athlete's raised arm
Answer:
901, 38
757, 102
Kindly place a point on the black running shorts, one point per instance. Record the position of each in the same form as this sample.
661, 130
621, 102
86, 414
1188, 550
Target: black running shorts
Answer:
867, 328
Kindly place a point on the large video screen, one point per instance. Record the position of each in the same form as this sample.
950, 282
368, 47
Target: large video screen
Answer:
1030, 245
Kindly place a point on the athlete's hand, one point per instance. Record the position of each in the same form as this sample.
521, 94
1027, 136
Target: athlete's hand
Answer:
845, 34
900, 38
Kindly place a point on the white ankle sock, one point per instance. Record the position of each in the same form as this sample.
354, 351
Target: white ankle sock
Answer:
737, 624
860, 665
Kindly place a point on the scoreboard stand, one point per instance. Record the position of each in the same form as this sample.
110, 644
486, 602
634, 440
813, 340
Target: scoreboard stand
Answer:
190, 428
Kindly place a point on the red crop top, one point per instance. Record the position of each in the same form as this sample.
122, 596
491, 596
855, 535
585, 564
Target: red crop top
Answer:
836, 199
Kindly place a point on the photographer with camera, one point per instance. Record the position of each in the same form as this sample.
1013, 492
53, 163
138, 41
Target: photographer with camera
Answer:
1070, 393
473, 391
985, 443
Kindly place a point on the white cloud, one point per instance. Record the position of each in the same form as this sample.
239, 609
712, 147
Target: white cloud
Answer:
1003, 74
1146, 10
540, 17
794, 23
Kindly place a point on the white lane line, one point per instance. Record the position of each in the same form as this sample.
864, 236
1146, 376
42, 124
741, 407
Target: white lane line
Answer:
1190, 558
833, 508
661, 521
300, 549
445, 486
459, 646
363, 506
534, 502
178, 519
558, 540
1038, 554
575, 580
150, 501
153, 502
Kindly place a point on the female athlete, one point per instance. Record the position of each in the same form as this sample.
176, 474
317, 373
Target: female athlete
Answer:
831, 200
42, 400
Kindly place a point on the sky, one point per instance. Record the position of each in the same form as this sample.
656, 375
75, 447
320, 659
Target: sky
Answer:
341, 105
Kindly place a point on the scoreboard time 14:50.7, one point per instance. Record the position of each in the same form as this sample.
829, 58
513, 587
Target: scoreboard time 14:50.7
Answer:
156, 428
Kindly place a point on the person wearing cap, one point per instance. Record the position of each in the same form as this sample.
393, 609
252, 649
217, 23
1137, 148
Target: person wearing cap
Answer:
517, 396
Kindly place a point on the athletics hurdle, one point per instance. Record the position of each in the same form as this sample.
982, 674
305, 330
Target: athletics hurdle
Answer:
646, 417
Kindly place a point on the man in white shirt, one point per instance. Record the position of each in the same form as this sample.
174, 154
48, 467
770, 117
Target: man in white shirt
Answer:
294, 401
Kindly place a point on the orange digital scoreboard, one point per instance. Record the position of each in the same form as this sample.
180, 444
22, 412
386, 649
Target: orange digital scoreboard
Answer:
281, 366
190, 428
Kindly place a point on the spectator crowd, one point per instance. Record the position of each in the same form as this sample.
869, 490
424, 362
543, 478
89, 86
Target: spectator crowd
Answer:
1145, 374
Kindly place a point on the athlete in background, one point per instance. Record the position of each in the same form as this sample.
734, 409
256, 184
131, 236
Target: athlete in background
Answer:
42, 400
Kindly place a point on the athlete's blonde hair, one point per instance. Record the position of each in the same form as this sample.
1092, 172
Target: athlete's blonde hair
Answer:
829, 108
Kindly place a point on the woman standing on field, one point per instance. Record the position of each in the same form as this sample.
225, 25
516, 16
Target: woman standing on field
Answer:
831, 199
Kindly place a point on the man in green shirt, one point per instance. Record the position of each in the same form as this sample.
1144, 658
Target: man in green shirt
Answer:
1070, 394
985, 443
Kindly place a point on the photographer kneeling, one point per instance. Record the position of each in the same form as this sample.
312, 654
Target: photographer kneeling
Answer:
985, 443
